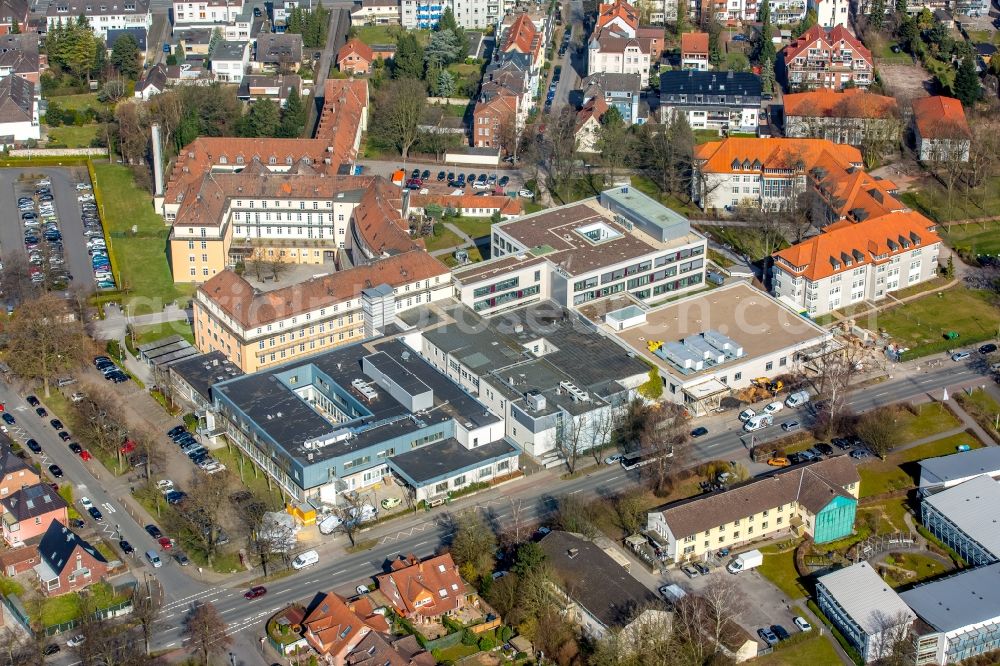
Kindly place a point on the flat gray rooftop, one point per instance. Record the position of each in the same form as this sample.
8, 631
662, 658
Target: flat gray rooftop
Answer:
948, 604
863, 594
447, 458
972, 507
961, 465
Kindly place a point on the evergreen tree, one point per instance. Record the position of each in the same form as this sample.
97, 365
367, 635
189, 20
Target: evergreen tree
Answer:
293, 119
125, 57
443, 48
901, 7
966, 86
765, 50
15, 27
408, 62
714, 55
264, 119
767, 76
446, 84
876, 17
447, 21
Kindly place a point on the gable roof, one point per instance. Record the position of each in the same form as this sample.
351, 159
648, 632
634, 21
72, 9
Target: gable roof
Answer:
593, 579
828, 252
356, 47
814, 486
694, 82
830, 39
13, 9
332, 626
281, 48
11, 463
594, 109
251, 308
430, 587
694, 42
940, 117
156, 78
58, 545
521, 36
848, 103
20, 52
611, 82
17, 98
32, 501
619, 9
773, 153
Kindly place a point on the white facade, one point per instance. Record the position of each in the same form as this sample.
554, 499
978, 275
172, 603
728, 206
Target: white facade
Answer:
941, 150
375, 14
720, 118
727, 191
629, 60
102, 17
202, 14
473, 14
230, 69
870, 281
831, 12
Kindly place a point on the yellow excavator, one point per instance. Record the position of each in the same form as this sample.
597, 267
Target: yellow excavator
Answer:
774, 387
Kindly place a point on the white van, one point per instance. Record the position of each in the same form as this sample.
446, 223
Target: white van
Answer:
308, 558
154, 559
797, 398
747, 414
757, 422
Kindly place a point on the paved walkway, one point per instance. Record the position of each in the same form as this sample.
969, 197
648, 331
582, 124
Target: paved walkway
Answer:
467, 241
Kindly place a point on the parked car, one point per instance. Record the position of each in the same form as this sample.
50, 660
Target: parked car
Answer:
126, 547
779, 462
960, 356
33, 446
699, 431
702, 569
182, 559
612, 459
8, 419
858, 454
841, 443
41, 412
166, 543
63, 435
153, 531
789, 426
774, 407
33, 401
76, 641
767, 636
825, 449
75, 448
51, 649
801, 623
391, 502
56, 423
690, 571
780, 632
56, 471
95, 513
988, 348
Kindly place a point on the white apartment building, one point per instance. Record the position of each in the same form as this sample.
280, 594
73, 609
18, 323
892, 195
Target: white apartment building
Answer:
102, 15
619, 55
472, 14
374, 12
851, 262
230, 61
832, 12
205, 13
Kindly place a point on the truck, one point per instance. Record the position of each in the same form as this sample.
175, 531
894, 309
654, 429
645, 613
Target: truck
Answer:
745, 561
797, 398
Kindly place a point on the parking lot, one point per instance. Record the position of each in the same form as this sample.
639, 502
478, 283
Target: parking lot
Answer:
22, 183
435, 186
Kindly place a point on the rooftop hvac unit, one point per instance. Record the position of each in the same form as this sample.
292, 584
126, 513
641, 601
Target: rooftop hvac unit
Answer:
365, 389
706, 351
575, 392
535, 400
724, 343
682, 357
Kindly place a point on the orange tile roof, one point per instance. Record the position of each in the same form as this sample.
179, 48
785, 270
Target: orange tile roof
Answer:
357, 47
694, 42
940, 117
615, 10
378, 223
853, 193
848, 103
429, 588
251, 308
522, 36
596, 107
777, 153
827, 253
335, 627
345, 109
817, 33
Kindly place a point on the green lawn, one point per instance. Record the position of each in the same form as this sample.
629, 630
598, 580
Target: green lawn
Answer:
255, 480
932, 200
140, 259
456, 652
388, 34
77, 102
66, 492
705, 136
475, 227
649, 188
815, 650
883, 52
9, 586
979, 238
719, 259
72, 136
930, 419
145, 334
922, 567
923, 322
890, 515
442, 238
924, 287
779, 568
981, 406
898, 470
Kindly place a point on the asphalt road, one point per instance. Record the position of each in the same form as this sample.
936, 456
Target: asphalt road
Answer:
340, 23
574, 62
64, 182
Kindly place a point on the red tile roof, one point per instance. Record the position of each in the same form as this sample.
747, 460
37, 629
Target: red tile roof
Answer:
615, 10
251, 308
829, 39
467, 202
848, 103
522, 36
694, 42
594, 108
429, 588
334, 627
940, 117
343, 116
356, 47
827, 253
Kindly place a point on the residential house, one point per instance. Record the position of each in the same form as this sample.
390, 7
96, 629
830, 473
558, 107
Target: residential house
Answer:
230, 61
138, 33
853, 262
376, 12
355, 57
722, 101
827, 59
263, 86
851, 116
496, 114
278, 52
423, 591
588, 125
334, 627
621, 91
28, 512
153, 83
694, 50
13, 12
19, 55
819, 499
20, 560
201, 13
18, 109
189, 74
620, 46
865, 609
831, 13
102, 16
471, 205
469, 14
196, 41
68, 563
941, 130
15, 473
598, 592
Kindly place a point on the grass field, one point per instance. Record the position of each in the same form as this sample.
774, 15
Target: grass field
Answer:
145, 334
930, 419
921, 566
649, 188
442, 238
925, 320
141, 259
72, 136
981, 406
77, 102
898, 470
815, 650
976, 239
932, 200
779, 568
476, 227
388, 34
705, 135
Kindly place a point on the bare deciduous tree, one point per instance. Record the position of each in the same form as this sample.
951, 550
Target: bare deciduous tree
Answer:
892, 643
559, 149
724, 602
207, 631
146, 603
879, 430
44, 340
205, 504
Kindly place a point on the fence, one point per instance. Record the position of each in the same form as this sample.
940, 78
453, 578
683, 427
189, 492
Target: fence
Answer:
446, 641
875, 545
17, 611
124, 608
59, 152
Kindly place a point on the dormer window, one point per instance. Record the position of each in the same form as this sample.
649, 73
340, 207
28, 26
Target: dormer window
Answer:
442, 593
223, 160
747, 165
272, 160
735, 165
239, 159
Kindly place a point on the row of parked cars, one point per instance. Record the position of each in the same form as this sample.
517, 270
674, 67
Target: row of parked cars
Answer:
197, 453
93, 231
109, 369
42, 237
776, 633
